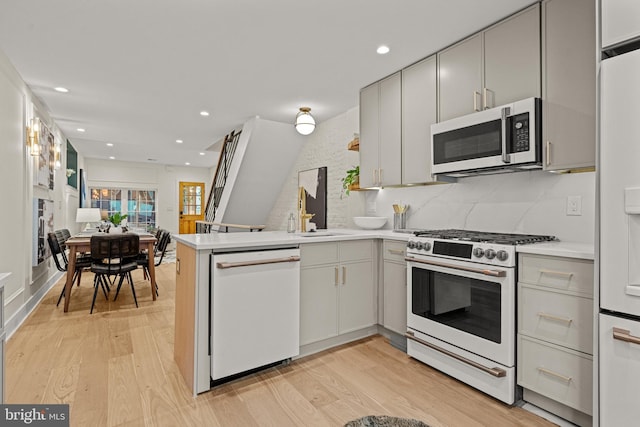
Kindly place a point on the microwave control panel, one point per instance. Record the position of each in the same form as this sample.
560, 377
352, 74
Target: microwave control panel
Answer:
520, 133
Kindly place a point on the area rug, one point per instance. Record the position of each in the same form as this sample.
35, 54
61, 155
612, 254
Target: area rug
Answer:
384, 421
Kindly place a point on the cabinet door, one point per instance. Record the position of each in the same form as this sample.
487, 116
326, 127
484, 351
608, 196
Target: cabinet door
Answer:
356, 300
390, 131
318, 303
569, 84
419, 106
369, 135
620, 21
512, 59
460, 78
395, 296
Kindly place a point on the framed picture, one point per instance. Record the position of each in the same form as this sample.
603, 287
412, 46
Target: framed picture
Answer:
82, 191
42, 225
46, 160
72, 166
314, 182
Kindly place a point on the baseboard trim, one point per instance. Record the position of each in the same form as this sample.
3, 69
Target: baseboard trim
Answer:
17, 319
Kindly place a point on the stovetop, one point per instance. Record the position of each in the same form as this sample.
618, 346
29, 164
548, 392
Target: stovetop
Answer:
482, 247
484, 236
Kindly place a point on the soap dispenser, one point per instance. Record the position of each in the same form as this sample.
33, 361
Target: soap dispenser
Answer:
291, 223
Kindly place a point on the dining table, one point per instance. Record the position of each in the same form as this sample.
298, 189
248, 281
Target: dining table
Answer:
81, 243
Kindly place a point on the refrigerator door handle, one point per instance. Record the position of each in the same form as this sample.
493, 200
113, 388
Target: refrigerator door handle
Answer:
625, 335
633, 290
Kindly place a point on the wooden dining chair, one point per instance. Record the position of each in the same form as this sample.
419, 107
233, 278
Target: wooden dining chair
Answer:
114, 255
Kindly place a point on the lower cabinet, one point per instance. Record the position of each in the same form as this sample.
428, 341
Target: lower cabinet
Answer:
395, 287
337, 289
555, 335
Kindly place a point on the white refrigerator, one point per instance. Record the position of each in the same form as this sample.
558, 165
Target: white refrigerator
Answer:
619, 318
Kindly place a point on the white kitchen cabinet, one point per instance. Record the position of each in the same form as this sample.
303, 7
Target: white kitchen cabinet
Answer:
419, 112
620, 21
380, 133
491, 68
337, 289
395, 287
555, 334
568, 84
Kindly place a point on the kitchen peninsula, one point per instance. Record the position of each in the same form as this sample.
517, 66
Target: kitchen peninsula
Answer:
342, 294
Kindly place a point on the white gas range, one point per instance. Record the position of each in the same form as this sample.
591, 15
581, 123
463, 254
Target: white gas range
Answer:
461, 305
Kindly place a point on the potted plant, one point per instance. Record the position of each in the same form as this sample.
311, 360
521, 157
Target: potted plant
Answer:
352, 180
116, 219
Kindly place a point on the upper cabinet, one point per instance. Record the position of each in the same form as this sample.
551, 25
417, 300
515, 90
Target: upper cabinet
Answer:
491, 68
419, 109
380, 133
568, 84
620, 21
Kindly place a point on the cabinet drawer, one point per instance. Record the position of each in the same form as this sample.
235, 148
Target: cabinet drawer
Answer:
318, 254
566, 320
569, 274
356, 250
394, 250
557, 373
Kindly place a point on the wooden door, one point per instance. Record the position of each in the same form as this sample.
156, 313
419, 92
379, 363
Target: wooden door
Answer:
191, 196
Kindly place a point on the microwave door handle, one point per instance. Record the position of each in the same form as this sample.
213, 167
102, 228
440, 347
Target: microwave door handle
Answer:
505, 156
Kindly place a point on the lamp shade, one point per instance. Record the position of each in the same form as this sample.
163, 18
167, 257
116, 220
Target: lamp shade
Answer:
305, 123
88, 215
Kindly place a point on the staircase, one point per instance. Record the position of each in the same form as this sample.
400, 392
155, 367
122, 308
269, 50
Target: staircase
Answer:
253, 166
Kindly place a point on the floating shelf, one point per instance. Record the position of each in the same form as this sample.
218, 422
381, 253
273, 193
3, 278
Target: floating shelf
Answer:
354, 145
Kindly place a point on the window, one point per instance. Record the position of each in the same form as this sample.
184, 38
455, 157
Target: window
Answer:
139, 205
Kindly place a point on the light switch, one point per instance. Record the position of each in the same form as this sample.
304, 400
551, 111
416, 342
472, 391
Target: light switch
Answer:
574, 205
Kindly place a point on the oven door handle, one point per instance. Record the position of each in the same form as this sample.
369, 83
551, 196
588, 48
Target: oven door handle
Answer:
496, 372
506, 111
492, 273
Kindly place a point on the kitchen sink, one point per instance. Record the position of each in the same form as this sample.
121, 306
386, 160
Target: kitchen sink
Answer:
318, 234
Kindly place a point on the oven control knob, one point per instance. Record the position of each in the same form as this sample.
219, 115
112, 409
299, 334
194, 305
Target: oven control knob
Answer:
478, 252
426, 246
411, 244
490, 254
502, 255
419, 246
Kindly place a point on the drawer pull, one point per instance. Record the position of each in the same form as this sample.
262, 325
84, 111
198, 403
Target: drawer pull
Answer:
553, 317
396, 252
557, 273
554, 374
625, 335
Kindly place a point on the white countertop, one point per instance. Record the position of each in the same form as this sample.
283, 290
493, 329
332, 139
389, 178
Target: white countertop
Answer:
264, 239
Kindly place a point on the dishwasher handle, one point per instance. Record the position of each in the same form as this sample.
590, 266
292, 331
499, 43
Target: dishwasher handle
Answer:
223, 265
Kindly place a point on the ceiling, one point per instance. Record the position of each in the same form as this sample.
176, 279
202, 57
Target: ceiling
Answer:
139, 72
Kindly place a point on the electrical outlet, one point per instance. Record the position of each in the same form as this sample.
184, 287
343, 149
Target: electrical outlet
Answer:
574, 205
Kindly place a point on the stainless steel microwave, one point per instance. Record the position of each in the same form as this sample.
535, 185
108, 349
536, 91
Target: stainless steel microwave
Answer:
504, 138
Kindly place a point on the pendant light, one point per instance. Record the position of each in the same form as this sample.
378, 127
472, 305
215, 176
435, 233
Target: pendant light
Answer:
305, 124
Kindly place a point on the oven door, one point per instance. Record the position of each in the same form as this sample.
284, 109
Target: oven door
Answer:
468, 305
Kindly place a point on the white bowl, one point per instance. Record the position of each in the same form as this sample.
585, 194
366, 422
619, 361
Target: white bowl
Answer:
370, 222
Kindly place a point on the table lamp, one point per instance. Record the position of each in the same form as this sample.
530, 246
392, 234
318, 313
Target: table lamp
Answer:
88, 215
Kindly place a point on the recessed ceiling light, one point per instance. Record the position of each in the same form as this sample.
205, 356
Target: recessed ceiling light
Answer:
382, 49
112, 158
109, 144
187, 163
179, 141
202, 154
61, 89
204, 113
80, 130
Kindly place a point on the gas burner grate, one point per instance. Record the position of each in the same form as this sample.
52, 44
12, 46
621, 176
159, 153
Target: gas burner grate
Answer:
485, 237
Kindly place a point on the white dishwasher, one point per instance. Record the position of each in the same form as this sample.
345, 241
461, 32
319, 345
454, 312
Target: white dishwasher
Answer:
255, 309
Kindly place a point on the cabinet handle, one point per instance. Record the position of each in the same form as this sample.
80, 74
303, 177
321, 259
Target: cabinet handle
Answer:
554, 374
336, 277
625, 335
557, 273
380, 182
484, 99
178, 265
547, 161
476, 94
553, 317
344, 275
396, 252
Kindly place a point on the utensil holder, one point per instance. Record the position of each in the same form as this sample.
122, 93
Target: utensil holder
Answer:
399, 220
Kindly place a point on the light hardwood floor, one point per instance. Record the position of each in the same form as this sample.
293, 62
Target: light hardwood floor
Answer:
115, 368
